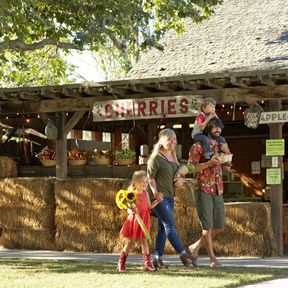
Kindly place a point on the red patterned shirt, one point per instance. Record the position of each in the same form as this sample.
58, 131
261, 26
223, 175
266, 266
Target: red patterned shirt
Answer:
210, 179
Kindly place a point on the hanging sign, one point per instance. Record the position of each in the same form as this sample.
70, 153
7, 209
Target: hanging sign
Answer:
147, 108
273, 117
275, 147
273, 176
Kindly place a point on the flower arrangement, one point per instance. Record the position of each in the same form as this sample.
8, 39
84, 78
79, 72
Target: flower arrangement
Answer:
76, 154
103, 154
126, 199
46, 154
184, 170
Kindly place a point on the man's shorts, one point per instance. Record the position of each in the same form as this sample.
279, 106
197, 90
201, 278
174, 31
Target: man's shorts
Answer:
210, 210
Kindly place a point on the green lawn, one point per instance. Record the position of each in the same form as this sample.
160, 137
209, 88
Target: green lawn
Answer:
50, 273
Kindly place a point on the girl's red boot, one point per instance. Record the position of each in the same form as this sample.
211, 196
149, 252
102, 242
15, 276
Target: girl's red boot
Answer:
148, 266
122, 261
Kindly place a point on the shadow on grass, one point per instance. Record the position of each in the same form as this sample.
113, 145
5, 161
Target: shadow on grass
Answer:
62, 267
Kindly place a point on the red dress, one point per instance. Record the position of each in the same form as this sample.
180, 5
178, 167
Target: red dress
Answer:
131, 228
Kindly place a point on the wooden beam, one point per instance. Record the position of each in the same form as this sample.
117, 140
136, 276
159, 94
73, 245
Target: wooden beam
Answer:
73, 93
142, 134
73, 121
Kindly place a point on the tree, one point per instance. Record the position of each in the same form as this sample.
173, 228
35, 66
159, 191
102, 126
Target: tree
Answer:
128, 26
27, 25
42, 67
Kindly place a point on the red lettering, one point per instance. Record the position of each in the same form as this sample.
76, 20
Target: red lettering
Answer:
141, 108
122, 109
108, 110
152, 107
162, 107
171, 106
129, 108
183, 106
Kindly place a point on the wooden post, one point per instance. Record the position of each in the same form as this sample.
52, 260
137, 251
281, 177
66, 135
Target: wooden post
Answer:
117, 139
185, 139
152, 135
61, 142
61, 147
276, 195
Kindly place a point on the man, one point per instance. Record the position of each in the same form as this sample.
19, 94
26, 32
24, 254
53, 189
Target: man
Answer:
209, 191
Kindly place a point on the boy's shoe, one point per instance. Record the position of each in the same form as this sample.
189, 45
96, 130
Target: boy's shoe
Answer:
228, 164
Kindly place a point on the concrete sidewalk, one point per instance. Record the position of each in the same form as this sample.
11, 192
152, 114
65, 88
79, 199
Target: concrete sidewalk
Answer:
271, 262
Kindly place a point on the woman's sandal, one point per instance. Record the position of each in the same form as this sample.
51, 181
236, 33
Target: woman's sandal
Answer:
215, 264
194, 256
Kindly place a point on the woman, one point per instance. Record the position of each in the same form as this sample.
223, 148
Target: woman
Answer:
162, 166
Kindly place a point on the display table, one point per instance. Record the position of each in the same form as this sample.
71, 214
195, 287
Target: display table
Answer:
89, 171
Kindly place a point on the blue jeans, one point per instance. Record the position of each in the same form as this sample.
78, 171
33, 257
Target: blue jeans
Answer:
204, 140
166, 227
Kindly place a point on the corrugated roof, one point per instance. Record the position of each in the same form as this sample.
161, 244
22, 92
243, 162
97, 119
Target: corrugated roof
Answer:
242, 35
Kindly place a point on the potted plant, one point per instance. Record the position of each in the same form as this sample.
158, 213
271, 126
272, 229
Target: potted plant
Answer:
125, 157
104, 157
77, 157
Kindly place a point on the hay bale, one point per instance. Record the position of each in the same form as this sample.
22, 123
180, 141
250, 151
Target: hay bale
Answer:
88, 191
89, 217
8, 168
248, 231
185, 196
103, 240
33, 192
27, 217
27, 213
28, 239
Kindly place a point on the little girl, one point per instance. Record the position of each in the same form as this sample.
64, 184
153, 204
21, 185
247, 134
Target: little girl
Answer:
131, 230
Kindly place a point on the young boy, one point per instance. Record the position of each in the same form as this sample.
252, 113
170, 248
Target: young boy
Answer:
201, 121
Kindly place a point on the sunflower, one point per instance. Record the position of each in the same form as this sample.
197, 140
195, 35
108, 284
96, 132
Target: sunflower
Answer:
130, 196
125, 199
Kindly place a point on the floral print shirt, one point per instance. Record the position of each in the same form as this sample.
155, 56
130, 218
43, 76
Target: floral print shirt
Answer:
210, 179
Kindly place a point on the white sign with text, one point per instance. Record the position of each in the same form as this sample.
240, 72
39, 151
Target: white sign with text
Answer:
147, 108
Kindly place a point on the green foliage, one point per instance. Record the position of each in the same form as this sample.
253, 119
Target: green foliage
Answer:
125, 154
59, 273
33, 68
102, 25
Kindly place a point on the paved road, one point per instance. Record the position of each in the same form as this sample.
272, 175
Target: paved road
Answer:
273, 262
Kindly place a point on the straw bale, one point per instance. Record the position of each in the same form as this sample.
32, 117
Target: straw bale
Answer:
28, 239
8, 168
248, 231
100, 241
89, 217
185, 196
31, 192
88, 191
27, 217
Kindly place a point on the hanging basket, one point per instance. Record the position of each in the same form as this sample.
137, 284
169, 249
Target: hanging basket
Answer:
102, 160
77, 162
128, 161
48, 162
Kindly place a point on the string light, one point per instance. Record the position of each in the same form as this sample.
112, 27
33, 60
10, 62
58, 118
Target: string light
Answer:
231, 107
223, 105
38, 116
240, 108
7, 117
